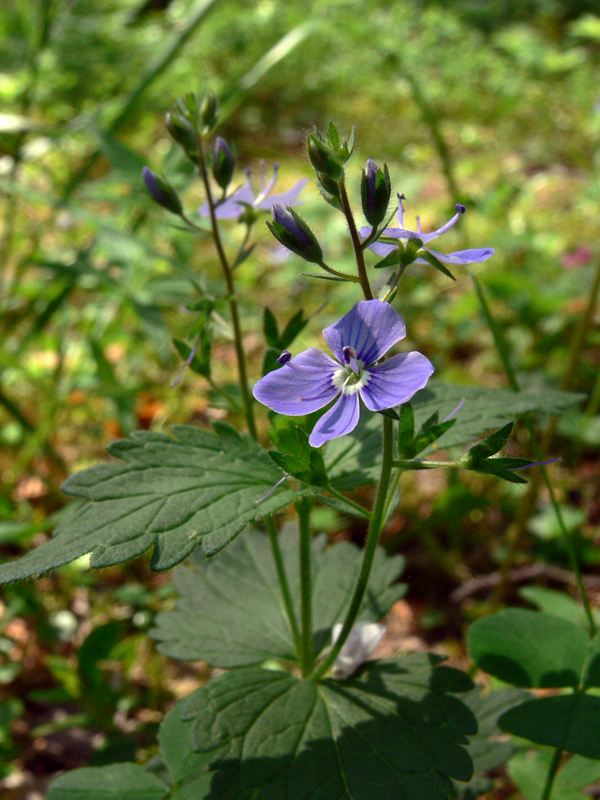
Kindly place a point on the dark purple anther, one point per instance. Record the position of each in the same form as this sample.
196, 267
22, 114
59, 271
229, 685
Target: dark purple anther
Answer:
284, 357
460, 208
349, 353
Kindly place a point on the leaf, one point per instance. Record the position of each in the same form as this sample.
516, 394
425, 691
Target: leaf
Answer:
232, 632
591, 674
529, 649
294, 327
557, 603
270, 330
200, 361
296, 456
171, 494
355, 459
435, 262
184, 765
529, 770
487, 749
570, 722
115, 782
393, 731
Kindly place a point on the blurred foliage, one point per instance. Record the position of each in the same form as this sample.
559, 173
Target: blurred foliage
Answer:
491, 104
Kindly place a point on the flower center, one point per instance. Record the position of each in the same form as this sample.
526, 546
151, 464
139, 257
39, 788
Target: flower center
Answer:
351, 378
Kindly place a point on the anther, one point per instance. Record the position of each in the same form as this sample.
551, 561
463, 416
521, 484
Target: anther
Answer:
349, 353
460, 208
284, 357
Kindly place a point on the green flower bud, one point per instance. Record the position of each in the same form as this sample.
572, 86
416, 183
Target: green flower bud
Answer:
162, 192
223, 163
375, 191
208, 111
293, 233
322, 158
182, 131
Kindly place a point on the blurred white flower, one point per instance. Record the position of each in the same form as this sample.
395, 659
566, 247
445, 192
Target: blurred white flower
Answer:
361, 642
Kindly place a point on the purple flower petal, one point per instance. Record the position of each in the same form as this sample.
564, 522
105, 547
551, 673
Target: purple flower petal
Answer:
285, 198
382, 249
395, 380
233, 206
338, 421
303, 385
460, 256
371, 328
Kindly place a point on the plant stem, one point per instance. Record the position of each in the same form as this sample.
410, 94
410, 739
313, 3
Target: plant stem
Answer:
303, 507
547, 791
375, 526
358, 251
360, 509
233, 306
283, 583
529, 503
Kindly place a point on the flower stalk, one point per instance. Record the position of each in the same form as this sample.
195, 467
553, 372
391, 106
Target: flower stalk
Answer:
303, 507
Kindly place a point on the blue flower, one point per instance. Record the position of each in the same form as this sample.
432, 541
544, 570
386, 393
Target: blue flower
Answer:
237, 202
458, 258
359, 340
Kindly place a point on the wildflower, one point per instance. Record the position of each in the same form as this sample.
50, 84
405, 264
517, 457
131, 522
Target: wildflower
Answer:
459, 257
359, 340
291, 230
234, 206
375, 190
361, 642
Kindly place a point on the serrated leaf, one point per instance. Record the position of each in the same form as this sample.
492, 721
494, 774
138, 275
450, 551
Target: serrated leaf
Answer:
232, 632
570, 722
183, 764
491, 444
172, 494
392, 731
529, 649
355, 459
115, 782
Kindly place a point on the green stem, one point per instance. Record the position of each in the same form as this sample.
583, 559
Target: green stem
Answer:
225, 395
422, 463
551, 774
581, 332
307, 657
283, 583
233, 306
514, 542
375, 526
356, 243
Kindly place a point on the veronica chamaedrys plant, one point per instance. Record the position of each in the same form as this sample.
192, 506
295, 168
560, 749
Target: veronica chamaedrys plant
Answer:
460, 257
245, 197
359, 341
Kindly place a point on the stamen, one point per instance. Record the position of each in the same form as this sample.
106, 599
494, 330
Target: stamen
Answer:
186, 363
419, 225
349, 353
536, 464
460, 208
284, 357
401, 197
456, 410
279, 482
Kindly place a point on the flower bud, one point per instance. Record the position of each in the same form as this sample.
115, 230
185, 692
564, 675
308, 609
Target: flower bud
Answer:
162, 192
322, 158
291, 230
183, 133
223, 163
375, 191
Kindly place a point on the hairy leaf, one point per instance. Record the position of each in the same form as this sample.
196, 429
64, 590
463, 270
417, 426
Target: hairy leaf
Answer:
170, 494
393, 731
243, 619
115, 782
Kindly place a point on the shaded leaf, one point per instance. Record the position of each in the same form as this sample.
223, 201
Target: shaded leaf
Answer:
184, 765
393, 731
529, 648
115, 782
570, 722
529, 770
171, 494
231, 631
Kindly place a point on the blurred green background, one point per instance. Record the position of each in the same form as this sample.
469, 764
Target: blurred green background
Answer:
495, 105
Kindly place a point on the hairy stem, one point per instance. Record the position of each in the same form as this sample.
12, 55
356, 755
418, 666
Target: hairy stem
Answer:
375, 526
283, 583
233, 306
356, 243
303, 508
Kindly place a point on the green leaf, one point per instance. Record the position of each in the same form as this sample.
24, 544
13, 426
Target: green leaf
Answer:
115, 782
435, 262
529, 770
570, 722
184, 765
297, 457
294, 327
232, 632
171, 494
591, 675
270, 330
557, 603
486, 748
492, 444
200, 362
354, 460
393, 731
529, 649
344, 507
430, 432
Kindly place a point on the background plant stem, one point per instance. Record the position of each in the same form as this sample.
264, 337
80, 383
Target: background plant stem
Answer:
303, 508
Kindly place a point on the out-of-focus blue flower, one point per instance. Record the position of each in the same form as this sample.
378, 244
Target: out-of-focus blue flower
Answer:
458, 258
360, 644
235, 205
359, 340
